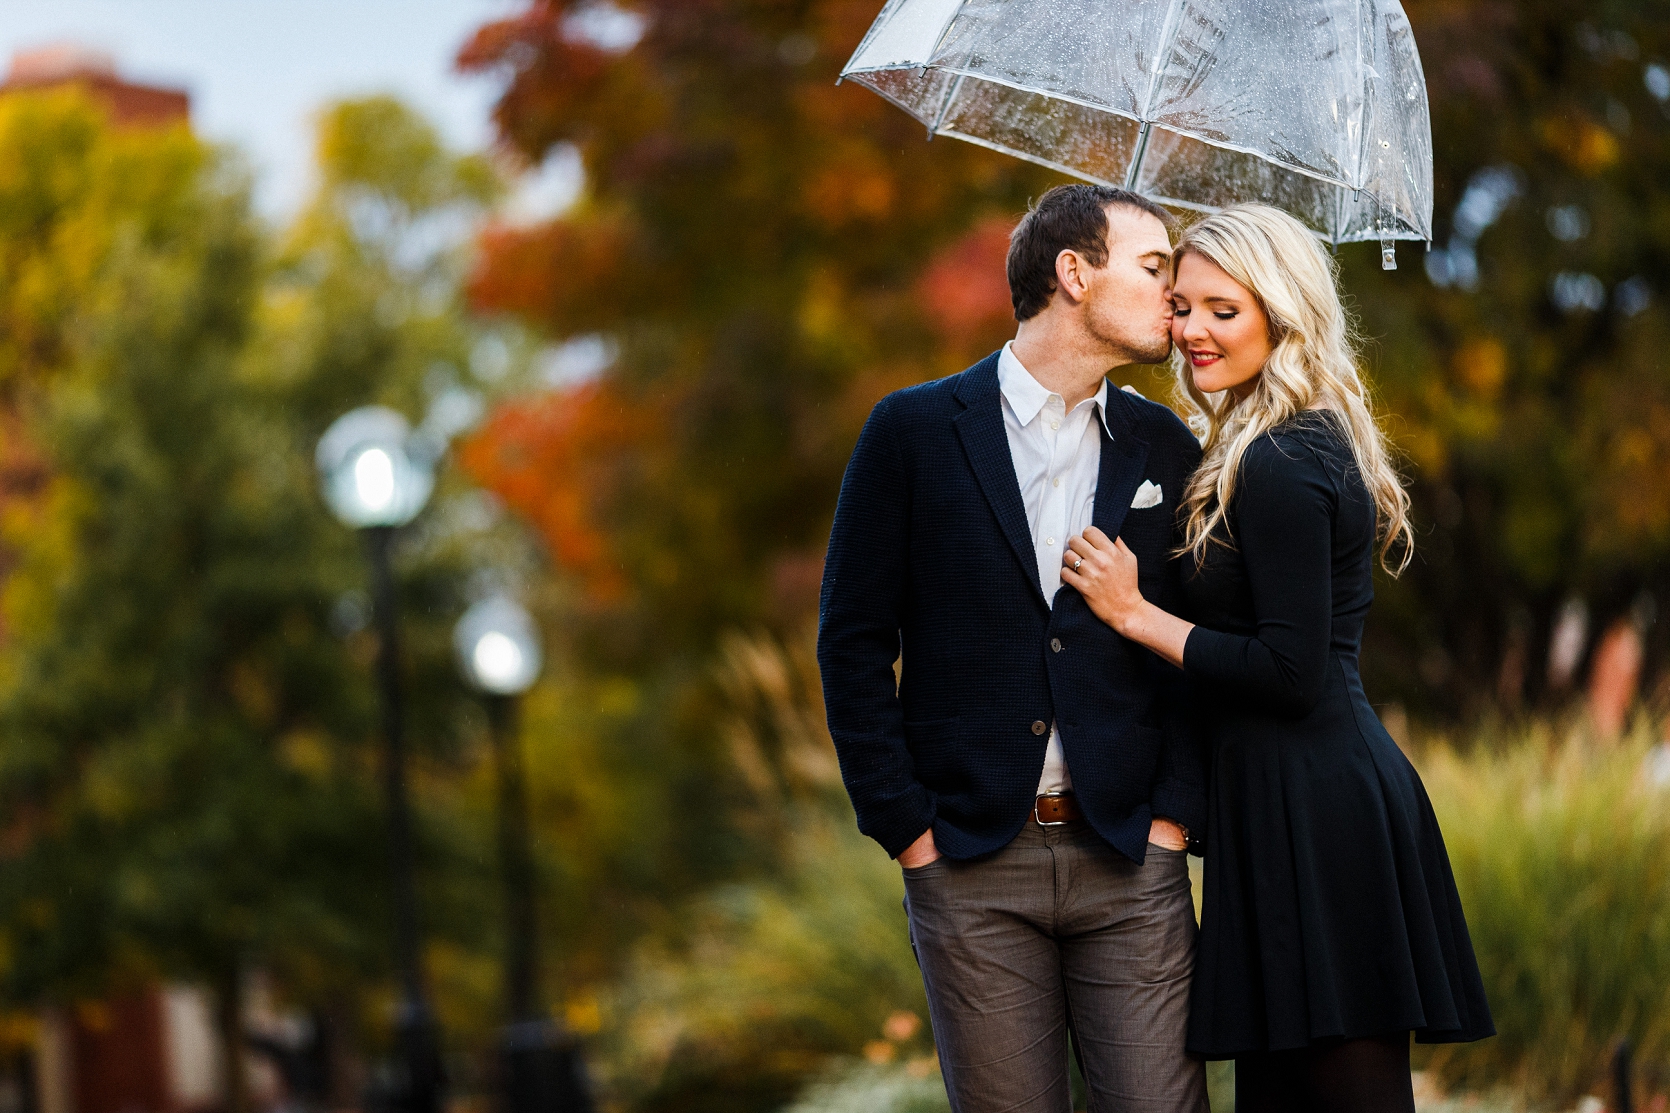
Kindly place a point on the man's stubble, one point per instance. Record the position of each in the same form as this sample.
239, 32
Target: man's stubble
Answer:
1128, 348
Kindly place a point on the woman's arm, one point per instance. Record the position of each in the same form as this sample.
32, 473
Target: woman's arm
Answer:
1284, 537
1106, 575
1284, 523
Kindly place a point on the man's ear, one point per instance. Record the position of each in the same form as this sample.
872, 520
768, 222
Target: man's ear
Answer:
1070, 274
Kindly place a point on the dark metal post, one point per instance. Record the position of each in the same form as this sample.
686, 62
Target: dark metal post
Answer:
521, 966
1621, 1072
542, 1068
421, 1082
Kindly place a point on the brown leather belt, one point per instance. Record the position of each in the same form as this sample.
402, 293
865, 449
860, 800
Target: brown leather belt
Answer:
1056, 807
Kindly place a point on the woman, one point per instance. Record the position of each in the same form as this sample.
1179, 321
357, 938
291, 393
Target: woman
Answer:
1330, 927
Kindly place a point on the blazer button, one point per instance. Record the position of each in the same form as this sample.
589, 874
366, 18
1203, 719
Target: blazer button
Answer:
1039, 727
1055, 645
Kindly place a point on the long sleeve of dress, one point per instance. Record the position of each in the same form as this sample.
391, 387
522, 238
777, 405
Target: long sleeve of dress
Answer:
1282, 519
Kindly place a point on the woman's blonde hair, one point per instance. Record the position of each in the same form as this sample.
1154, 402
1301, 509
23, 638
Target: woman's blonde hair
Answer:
1313, 365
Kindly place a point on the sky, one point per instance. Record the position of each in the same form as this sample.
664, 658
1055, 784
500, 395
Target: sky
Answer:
257, 70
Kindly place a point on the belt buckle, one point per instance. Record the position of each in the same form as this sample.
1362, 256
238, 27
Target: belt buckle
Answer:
1039, 818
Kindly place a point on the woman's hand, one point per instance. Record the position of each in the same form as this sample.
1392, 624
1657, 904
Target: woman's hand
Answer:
1105, 573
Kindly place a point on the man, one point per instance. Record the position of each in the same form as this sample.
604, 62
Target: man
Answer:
1030, 769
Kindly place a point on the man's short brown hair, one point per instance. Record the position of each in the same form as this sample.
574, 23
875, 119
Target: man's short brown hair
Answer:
1068, 217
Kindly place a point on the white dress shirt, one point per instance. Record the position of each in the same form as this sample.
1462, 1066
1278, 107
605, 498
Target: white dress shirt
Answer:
1057, 456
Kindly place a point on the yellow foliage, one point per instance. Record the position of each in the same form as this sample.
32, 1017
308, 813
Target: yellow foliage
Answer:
821, 316
307, 752
19, 1031
71, 191
584, 1014
1585, 145
45, 534
253, 691
1482, 366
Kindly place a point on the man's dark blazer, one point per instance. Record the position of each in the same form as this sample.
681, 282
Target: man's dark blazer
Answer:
931, 557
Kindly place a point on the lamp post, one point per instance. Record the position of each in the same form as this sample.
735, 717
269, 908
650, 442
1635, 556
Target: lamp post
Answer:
540, 1070
375, 482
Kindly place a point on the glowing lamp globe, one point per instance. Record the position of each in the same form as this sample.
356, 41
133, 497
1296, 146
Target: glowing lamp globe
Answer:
369, 475
498, 647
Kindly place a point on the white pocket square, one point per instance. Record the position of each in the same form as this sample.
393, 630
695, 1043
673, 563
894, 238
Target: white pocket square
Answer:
1147, 495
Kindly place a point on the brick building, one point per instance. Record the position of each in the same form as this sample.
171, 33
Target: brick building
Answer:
66, 64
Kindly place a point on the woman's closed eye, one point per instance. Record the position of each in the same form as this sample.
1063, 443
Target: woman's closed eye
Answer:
1221, 314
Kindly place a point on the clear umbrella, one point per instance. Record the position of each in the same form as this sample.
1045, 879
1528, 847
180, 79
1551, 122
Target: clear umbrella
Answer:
1317, 106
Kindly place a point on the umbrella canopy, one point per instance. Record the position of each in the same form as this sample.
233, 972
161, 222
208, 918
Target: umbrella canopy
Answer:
1316, 106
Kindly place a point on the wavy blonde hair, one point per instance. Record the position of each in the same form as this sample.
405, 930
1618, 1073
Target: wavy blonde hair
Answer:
1313, 365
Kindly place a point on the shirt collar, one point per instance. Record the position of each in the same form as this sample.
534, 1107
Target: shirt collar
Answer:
1026, 395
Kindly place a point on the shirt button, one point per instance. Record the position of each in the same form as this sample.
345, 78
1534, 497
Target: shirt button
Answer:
1049, 540
1055, 645
1058, 481
1039, 727
1055, 425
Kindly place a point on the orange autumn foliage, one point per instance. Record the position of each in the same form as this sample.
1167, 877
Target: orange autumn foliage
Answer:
548, 274
964, 289
568, 75
754, 238
555, 458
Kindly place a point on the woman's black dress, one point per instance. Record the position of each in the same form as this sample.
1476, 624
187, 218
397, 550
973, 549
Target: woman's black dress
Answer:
1330, 910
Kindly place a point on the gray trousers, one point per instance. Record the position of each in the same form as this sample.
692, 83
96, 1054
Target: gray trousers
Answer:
1056, 932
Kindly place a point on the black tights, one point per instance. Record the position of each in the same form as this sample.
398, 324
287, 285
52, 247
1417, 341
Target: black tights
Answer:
1349, 1076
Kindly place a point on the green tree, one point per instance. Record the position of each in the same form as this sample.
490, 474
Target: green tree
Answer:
170, 691
1528, 392
189, 754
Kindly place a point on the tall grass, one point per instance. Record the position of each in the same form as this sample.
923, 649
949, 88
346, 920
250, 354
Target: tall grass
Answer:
1561, 850
767, 982
760, 987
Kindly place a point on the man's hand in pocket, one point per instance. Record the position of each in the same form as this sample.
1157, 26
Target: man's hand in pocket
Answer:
1167, 835
919, 853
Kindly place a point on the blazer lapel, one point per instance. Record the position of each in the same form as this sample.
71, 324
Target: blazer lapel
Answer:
1124, 456
985, 442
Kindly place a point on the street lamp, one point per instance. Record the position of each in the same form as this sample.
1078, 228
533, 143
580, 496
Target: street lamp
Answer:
498, 653
376, 480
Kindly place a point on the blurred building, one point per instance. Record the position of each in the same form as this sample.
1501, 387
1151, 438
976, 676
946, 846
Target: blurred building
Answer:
150, 1052
67, 64
158, 1050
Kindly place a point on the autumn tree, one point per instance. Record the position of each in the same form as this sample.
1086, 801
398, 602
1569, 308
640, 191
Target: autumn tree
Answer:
1519, 360
187, 739
772, 252
768, 254
754, 238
